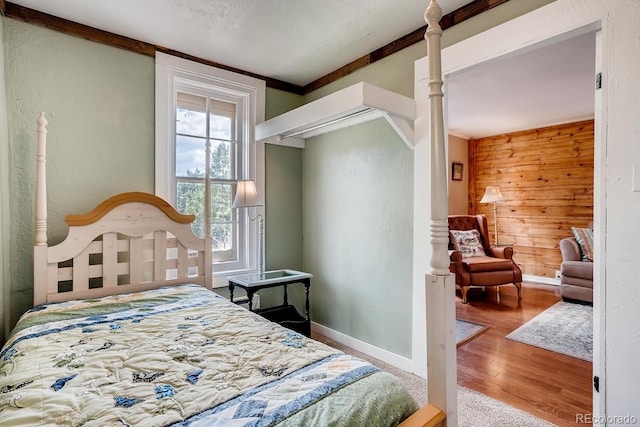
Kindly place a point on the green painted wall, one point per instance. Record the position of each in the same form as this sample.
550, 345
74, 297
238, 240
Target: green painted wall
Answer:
5, 224
358, 204
358, 233
100, 104
283, 187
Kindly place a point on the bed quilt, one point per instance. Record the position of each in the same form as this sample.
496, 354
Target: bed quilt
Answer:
183, 356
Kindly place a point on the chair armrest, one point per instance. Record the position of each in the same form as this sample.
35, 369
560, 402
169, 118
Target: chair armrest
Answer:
504, 252
456, 265
456, 256
570, 249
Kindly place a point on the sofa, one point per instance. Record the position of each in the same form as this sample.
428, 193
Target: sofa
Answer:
576, 270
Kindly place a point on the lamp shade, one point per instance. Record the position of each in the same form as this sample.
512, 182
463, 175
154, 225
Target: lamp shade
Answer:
246, 195
492, 195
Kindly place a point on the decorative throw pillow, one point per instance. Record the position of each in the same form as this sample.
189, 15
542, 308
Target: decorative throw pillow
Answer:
467, 242
584, 237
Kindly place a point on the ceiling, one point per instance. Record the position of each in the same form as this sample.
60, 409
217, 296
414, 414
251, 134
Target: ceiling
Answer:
299, 41
540, 87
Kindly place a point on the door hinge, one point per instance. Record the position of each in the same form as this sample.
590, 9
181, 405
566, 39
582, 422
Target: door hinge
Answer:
598, 81
596, 383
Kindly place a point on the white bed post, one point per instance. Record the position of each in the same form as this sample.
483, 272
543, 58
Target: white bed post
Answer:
40, 248
41, 183
440, 283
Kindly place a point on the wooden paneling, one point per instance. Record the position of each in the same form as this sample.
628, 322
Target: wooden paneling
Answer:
546, 177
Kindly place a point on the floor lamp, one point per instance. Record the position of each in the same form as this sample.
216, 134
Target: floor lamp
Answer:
493, 195
246, 197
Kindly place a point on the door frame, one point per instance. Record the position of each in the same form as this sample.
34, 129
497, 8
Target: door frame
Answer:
562, 19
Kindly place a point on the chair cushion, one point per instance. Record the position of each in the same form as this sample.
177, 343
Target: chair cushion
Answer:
467, 242
478, 264
584, 237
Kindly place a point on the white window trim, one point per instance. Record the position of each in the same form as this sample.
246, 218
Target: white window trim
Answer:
172, 71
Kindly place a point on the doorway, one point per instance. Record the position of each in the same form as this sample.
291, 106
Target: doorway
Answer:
549, 24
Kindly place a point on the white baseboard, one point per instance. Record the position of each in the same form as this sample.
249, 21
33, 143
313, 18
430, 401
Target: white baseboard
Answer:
541, 279
386, 356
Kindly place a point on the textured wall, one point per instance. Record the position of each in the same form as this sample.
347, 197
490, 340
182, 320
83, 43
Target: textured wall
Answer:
99, 103
358, 228
362, 287
283, 187
5, 224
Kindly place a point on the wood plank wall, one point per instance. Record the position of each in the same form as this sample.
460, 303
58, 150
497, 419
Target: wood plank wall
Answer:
546, 178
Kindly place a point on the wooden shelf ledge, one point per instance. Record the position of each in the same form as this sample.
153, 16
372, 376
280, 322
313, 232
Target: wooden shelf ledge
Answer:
355, 104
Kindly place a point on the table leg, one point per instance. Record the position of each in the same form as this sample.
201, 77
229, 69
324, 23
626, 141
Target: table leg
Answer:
307, 284
231, 286
285, 299
250, 296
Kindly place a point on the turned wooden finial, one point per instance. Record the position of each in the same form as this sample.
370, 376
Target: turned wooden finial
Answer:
432, 15
42, 123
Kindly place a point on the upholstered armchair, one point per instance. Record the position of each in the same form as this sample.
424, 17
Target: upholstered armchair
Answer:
474, 261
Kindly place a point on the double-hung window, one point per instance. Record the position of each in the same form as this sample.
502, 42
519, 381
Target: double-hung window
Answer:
204, 122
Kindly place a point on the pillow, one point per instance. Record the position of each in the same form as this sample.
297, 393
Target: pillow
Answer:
584, 237
467, 242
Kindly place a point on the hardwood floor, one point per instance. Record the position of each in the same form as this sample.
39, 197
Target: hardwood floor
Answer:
546, 384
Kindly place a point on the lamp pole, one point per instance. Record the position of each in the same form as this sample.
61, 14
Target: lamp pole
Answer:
495, 221
493, 195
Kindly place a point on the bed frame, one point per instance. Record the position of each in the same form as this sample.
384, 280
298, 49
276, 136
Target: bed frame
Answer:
130, 242
137, 241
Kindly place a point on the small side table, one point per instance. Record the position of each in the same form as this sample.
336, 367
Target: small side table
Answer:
286, 314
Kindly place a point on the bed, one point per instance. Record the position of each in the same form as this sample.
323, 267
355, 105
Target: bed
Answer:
182, 355
127, 331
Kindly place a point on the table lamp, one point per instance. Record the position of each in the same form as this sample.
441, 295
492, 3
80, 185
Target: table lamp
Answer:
246, 197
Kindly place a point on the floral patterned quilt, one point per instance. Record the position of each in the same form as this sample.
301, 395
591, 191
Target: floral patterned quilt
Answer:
182, 356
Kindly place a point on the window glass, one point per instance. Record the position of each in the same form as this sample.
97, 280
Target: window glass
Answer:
200, 121
190, 156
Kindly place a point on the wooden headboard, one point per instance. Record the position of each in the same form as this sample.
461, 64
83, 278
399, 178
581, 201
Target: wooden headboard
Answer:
130, 242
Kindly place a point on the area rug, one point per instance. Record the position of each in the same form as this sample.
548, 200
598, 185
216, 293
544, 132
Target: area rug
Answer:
564, 328
466, 331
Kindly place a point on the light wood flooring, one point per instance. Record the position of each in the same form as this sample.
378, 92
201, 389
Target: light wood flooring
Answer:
546, 384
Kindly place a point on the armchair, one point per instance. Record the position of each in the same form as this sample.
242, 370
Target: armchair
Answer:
481, 265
